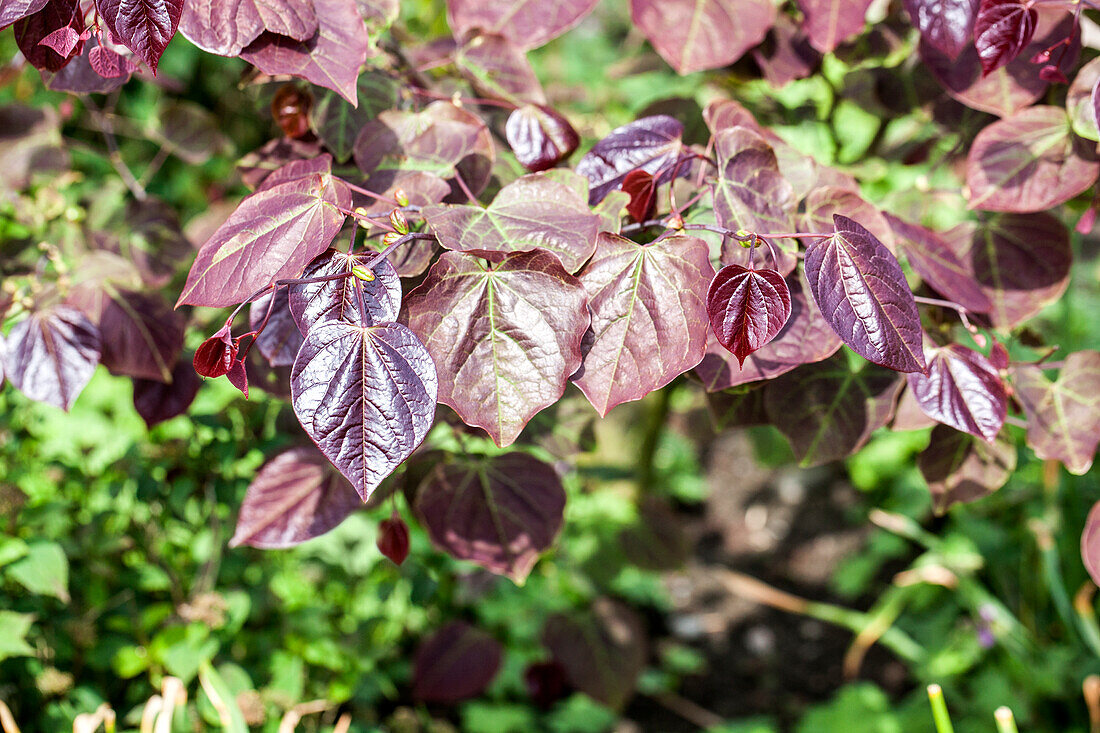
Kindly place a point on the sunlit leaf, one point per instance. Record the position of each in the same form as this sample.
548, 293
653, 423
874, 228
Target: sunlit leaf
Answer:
1002, 28
829, 23
527, 23
747, 308
652, 144
31, 30
1063, 416
963, 390
51, 355
348, 299
143, 26
695, 35
226, 27
944, 24
540, 137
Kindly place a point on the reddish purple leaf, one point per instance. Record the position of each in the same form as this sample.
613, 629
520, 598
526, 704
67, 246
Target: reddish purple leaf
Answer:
960, 468
527, 23
366, 395
1029, 162
140, 335
537, 211
747, 308
31, 30
602, 652
1002, 29
257, 165
273, 234
861, 290
540, 137
652, 144
280, 340
642, 190
50, 355
750, 192
80, 77
826, 200
455, 663
828, 411
225, 27
216, 355
649, 319
695, 35
500, 512
786, 54
109, 63
331, 58
944, 24
939, 267
295, 497
499, 69
806, 338
156, 401
296, 170
13, 10
63, 41
143, 26
312, 303
505, 335
1021, 261
393, 538
1063, 417
829, 23
1090, 543
964, 390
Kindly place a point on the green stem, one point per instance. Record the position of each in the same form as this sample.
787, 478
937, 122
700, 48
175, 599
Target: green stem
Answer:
655, 425
1005, 722
939, 710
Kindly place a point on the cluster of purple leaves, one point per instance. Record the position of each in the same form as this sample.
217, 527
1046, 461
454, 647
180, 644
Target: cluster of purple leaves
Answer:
493, 309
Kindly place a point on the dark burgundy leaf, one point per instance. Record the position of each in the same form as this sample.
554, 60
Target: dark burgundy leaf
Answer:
216, 355
649, 318
140, 335
50, 355
156, 401
537, 211
455, 663
366, 395
750, 192
80, 77
498, 68
290, 109
280, 340
393, 538
741, 406
540, 137
960, 468
500, 512
13, 10
295, 497
1002, 29
313, 303
238, 377
861, 290
1090, 543
31, 30
330, 58
962, 389
827, 410
1010, 88
602, 652
642, 190
695, 35
805, 339
652, 144
1063, 417
944, 24
829, 23
273, 234
1021, 261
936, 263
225, 27
505, 336
786, 54
747, 308
527, 23
545, 683
1029, 162
143, 26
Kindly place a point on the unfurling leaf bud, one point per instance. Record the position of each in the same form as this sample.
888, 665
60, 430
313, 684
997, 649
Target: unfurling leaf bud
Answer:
393, 538
742, 234
361, 212
215, 356
675, 222
362, 273
399, 222
390, 237
401, 197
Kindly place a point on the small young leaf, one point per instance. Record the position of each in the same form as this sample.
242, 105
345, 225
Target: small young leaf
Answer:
143, 26
1002, 29
216, 355
861, 290
31, 30
506, 334
540, 137
642, 190
960, 468
1063, 417
366, 395
393, 538
695, 35
295, 497
649, 318
652, 144
51, 355
455, 663
312, 303
747, 308
500, 512
944, 24
963, 390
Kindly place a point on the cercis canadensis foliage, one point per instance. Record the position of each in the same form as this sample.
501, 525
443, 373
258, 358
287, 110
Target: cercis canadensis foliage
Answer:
393, 256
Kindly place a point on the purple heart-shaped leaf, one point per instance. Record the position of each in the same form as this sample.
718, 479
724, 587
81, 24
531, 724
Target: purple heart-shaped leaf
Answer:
51, 355
652, 144
317, 302
962, 389
747, 308
1002, 29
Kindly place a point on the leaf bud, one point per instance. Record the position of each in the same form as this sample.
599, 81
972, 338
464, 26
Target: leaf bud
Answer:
401, 197
362, 273
390, 237
399, 222
393, 538
361, 212
675, 222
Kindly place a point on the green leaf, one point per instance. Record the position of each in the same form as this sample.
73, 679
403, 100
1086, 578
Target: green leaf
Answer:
221, 699
13, 630
11, 549
44, 571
